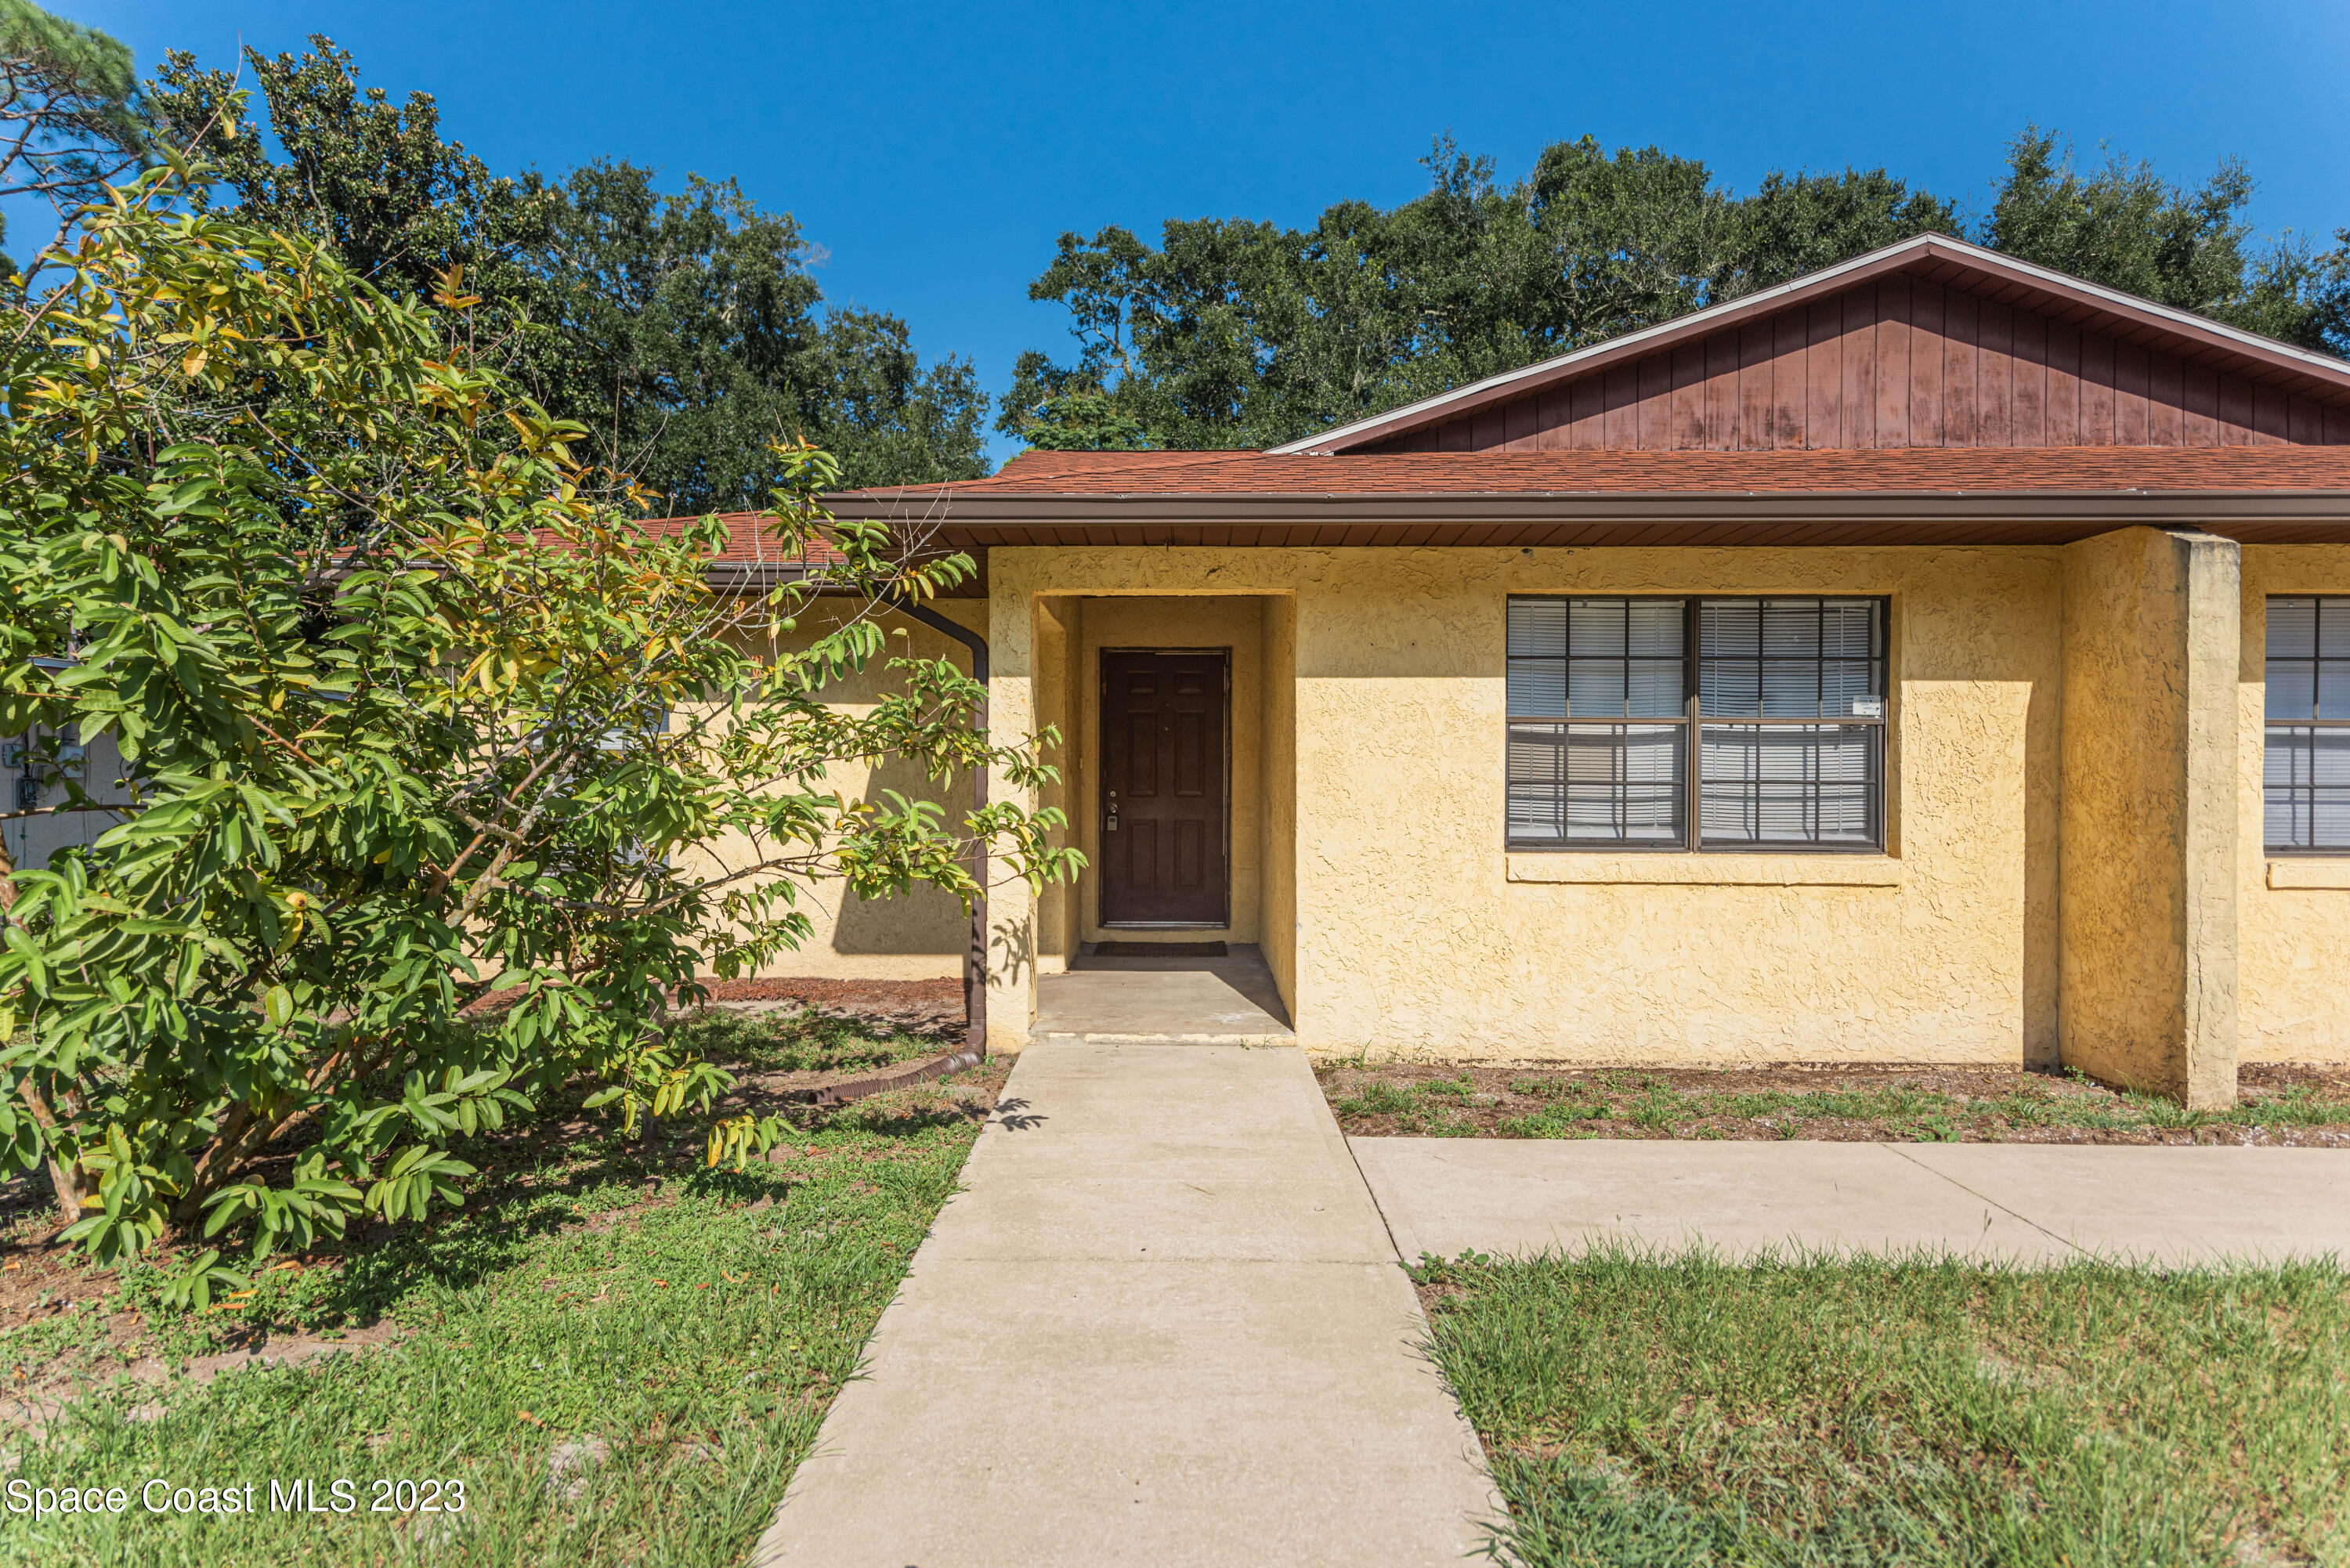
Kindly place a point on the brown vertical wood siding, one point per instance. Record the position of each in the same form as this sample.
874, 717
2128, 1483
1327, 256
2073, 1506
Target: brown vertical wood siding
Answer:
1900, 361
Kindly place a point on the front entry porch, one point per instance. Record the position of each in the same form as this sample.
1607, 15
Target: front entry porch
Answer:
1176, 773
1172, 999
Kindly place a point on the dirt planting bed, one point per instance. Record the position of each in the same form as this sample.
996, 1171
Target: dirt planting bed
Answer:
2295, 1106
931, 1008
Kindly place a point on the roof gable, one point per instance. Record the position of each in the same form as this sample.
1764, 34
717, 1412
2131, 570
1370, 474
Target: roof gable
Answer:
1928, 343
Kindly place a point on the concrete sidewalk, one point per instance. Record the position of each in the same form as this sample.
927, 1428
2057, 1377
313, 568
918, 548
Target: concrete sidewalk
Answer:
1163, 1324
1229, 1000
2024, 1203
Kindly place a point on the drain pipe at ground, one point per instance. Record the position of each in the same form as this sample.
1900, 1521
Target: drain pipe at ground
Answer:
974, 960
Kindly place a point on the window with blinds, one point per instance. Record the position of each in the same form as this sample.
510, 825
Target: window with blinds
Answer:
1775, 707
2305, 765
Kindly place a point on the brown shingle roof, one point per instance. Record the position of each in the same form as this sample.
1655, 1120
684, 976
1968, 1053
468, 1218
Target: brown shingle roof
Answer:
748, 541
1956, 471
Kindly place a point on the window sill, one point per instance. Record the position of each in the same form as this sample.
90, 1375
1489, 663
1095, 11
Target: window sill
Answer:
1716, 870
2310, 873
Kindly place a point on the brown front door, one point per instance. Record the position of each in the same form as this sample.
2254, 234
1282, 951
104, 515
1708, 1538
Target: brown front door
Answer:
1163, 788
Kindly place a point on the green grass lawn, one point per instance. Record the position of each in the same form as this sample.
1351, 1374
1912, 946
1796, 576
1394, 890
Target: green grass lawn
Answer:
621, 1354
1652, 1412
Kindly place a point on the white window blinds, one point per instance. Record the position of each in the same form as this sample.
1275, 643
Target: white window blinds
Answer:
1775, 706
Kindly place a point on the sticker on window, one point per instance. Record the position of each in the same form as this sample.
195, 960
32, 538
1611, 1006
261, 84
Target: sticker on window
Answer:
1868, 707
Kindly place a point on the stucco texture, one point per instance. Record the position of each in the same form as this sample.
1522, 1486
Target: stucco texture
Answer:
1408, 936
2293, 911
1277, 828
924, 934
2150, 819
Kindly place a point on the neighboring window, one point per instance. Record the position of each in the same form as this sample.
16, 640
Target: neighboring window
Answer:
2305, 773
1780, 717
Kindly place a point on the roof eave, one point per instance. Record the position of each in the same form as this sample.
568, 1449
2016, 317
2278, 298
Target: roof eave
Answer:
2120, 507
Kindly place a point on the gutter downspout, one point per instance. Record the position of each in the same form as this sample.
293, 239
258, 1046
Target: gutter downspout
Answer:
974, 960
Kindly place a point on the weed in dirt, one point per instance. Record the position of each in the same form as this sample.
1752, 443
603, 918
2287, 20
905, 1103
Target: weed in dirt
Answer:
802, 1042
2157, 1112
1931, 1104
1431, 1109
1660, 1108
2298, 1107
1380, 1099
1687, 1411
1554, 1120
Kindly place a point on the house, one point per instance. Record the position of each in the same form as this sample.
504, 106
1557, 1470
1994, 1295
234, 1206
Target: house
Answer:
1936, 659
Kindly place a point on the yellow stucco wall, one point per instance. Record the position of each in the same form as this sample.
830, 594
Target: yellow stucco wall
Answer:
1367, 854
2150, 819
1415, 934
1058, 679
924, 934
1277, 830
2294, 943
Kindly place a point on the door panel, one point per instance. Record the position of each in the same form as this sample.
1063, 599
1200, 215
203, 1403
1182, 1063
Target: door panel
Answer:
1191, 855
1191, 755
1163, 740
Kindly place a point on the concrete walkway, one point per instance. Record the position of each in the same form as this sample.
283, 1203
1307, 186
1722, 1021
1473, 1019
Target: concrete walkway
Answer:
1163, 1324
1229, 1000
2022, 1202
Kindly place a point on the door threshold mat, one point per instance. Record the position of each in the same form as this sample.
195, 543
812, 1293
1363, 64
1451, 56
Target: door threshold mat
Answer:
1159, 949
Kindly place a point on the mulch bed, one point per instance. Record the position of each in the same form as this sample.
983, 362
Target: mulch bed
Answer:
916, 1006
850, 994
932, 1009
1496, 1095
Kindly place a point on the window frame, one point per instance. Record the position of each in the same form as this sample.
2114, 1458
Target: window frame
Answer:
2270, 723
1691, 839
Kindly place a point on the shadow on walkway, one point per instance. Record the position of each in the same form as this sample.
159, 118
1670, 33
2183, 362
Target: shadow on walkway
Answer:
1225, 1000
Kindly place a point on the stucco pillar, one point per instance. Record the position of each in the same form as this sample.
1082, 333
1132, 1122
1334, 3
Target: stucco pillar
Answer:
1012, 935
2148, 901
1049, 653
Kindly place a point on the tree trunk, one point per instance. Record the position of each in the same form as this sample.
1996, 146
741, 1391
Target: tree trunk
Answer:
72, 1186
64, 1175
241, 1133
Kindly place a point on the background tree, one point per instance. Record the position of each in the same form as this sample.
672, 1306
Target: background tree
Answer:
1795, 224
1232, 333
70, 117
2123, 226
683, 331
408, 709
367, 176
688, 333
1083, 419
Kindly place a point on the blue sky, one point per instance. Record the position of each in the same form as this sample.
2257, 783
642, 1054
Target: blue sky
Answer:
935, 152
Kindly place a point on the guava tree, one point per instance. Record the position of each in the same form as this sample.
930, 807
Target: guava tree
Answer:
409, 710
